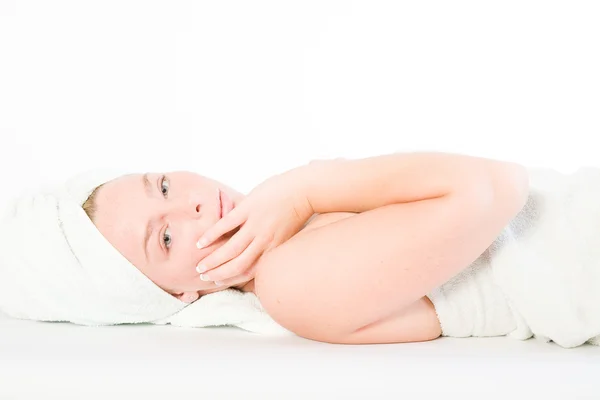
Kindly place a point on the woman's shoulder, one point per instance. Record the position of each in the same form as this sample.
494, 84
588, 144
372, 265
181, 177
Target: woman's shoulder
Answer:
317, 285
288, 267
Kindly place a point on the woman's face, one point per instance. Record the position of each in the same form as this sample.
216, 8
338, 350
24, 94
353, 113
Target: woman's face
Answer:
155, 221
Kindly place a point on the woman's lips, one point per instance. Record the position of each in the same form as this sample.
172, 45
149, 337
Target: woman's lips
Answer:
226, 204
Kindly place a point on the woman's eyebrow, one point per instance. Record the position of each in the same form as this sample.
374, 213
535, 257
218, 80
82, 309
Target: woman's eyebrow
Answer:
148, 230
146, 238
147, 184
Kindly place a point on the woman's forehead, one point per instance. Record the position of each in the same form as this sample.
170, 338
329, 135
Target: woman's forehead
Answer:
121, 209
121, 189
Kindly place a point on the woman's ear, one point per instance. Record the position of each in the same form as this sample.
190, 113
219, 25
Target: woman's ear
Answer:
188, 297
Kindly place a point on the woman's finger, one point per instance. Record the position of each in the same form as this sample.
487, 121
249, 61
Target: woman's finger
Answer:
226, 224
243, 278
231, 249
237, 266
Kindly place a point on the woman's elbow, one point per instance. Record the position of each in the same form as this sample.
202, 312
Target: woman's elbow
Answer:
510, 183
500, 192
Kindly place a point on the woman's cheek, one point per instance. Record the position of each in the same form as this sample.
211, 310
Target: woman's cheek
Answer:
180, 263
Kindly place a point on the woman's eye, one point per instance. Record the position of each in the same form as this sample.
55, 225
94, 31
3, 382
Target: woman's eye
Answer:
167, 238
164, 186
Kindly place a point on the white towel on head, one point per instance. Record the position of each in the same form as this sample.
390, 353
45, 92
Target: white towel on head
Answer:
55, 265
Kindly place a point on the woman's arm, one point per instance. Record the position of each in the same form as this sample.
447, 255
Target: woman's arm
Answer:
419, 231
345, 185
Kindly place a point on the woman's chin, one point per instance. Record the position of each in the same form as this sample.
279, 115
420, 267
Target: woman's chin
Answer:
204, 292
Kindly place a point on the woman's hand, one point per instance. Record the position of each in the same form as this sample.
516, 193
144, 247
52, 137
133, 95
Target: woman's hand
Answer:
272, 213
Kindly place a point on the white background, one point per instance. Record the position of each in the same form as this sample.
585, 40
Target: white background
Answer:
240, 90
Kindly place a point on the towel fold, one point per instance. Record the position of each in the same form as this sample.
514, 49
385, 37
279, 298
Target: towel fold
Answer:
544, 268
55, 265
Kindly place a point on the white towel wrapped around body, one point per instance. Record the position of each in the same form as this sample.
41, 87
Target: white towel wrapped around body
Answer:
541, 277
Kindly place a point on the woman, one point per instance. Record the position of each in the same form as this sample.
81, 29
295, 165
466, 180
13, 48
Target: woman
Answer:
396, 248
388, 230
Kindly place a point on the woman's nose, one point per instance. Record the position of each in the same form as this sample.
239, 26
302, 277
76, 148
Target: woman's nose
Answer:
186, 209
194, 208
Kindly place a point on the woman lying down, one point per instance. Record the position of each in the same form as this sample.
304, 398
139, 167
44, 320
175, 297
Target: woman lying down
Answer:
402, 247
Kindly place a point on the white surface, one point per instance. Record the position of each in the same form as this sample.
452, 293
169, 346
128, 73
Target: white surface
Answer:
64, 361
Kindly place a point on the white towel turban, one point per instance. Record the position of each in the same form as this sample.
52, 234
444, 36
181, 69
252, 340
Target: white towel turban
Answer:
55, 265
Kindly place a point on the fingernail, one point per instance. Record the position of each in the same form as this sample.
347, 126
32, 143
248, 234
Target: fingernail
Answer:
204, 277
218, 283
201, 268
201, 243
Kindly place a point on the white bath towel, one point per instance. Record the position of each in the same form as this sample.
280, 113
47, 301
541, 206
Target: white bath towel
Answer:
56, 266
541, 277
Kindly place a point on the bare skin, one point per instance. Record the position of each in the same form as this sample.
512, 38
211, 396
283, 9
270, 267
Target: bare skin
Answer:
186, 204
416, 323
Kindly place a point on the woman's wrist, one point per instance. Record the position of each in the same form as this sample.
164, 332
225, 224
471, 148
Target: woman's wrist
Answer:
306, 179
303, 179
